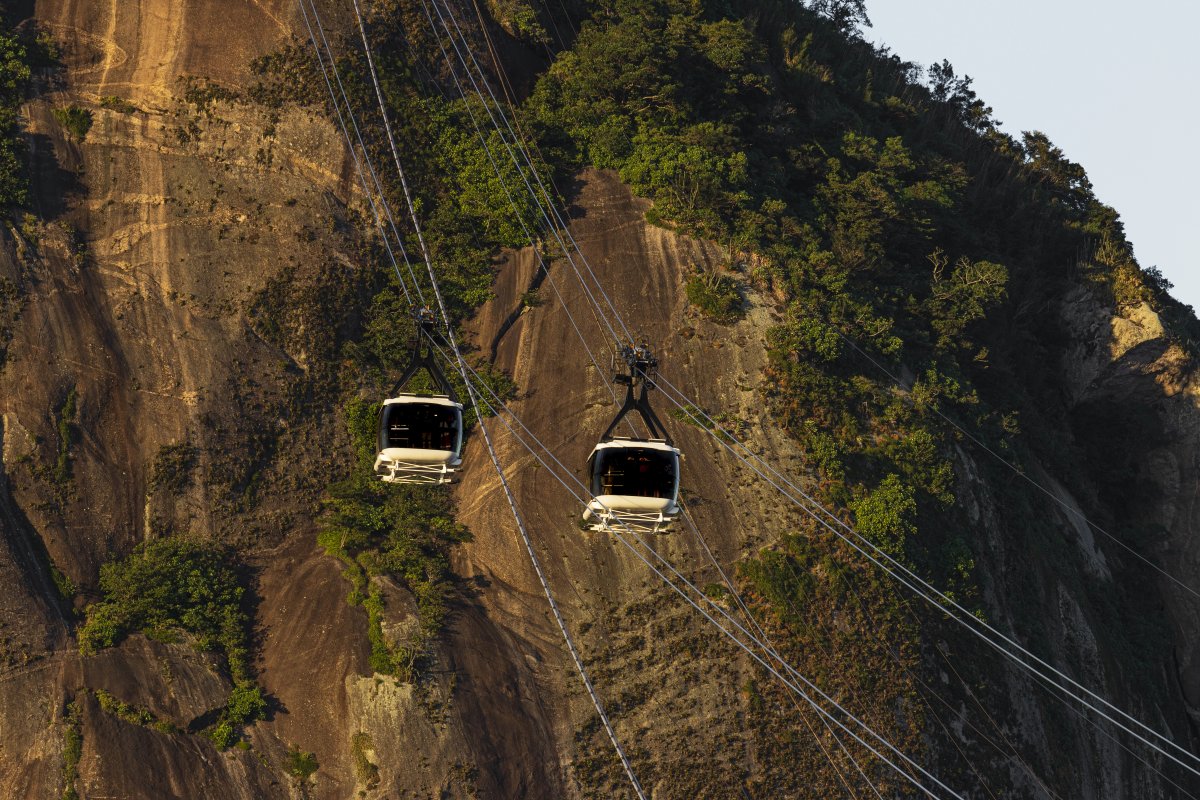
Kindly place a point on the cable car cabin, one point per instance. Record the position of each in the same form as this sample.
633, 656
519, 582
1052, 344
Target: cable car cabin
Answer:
420, 439
635, 485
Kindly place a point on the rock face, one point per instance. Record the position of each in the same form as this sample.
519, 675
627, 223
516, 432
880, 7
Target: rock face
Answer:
161, 227
1130, 361
182, 206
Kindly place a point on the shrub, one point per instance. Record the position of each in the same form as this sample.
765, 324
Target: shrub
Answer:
223, 735
246, 704
64, 585
132, 714
168, 585
716, 295
886, 515
75, 120
781, 578
172, 467
301, 765
177, 584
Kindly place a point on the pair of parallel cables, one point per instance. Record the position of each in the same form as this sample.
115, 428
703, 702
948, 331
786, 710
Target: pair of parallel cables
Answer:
379, 217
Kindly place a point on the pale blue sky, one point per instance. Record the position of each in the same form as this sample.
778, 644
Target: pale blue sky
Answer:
1115, 85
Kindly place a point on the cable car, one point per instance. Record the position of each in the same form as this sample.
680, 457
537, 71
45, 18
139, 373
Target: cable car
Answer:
420, 435
634, 481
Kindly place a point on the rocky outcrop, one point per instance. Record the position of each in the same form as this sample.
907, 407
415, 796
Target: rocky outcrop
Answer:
1134, 363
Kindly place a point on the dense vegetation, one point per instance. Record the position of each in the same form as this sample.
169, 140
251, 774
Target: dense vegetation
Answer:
23, 52
903, 231
15, 74
897, 219
885, 207
385, 532
350, 328
174, 587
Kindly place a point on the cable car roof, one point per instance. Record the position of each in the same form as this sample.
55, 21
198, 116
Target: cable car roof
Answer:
428, 399
624, 442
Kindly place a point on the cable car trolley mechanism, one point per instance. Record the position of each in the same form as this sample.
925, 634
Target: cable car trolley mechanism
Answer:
420, 435
634, 482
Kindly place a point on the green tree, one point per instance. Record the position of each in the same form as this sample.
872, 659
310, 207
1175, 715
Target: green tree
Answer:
696, 176
847, 15
1066, 181
961, 296
887, 515
14, 69
169, 585
956, 94
483, 196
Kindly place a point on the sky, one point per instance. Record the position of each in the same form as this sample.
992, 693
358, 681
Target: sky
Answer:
1115, 85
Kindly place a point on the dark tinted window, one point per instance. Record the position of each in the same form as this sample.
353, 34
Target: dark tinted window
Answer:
420, 426
636, 471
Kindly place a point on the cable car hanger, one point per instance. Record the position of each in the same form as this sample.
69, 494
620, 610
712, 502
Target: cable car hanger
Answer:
426, 321
643, 366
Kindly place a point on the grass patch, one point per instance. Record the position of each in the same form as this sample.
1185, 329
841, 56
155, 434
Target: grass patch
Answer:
730, 427
118, 104
365, 771
66, 419
134, 715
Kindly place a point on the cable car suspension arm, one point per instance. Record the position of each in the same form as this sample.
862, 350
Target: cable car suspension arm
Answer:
423, 357
643, 366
